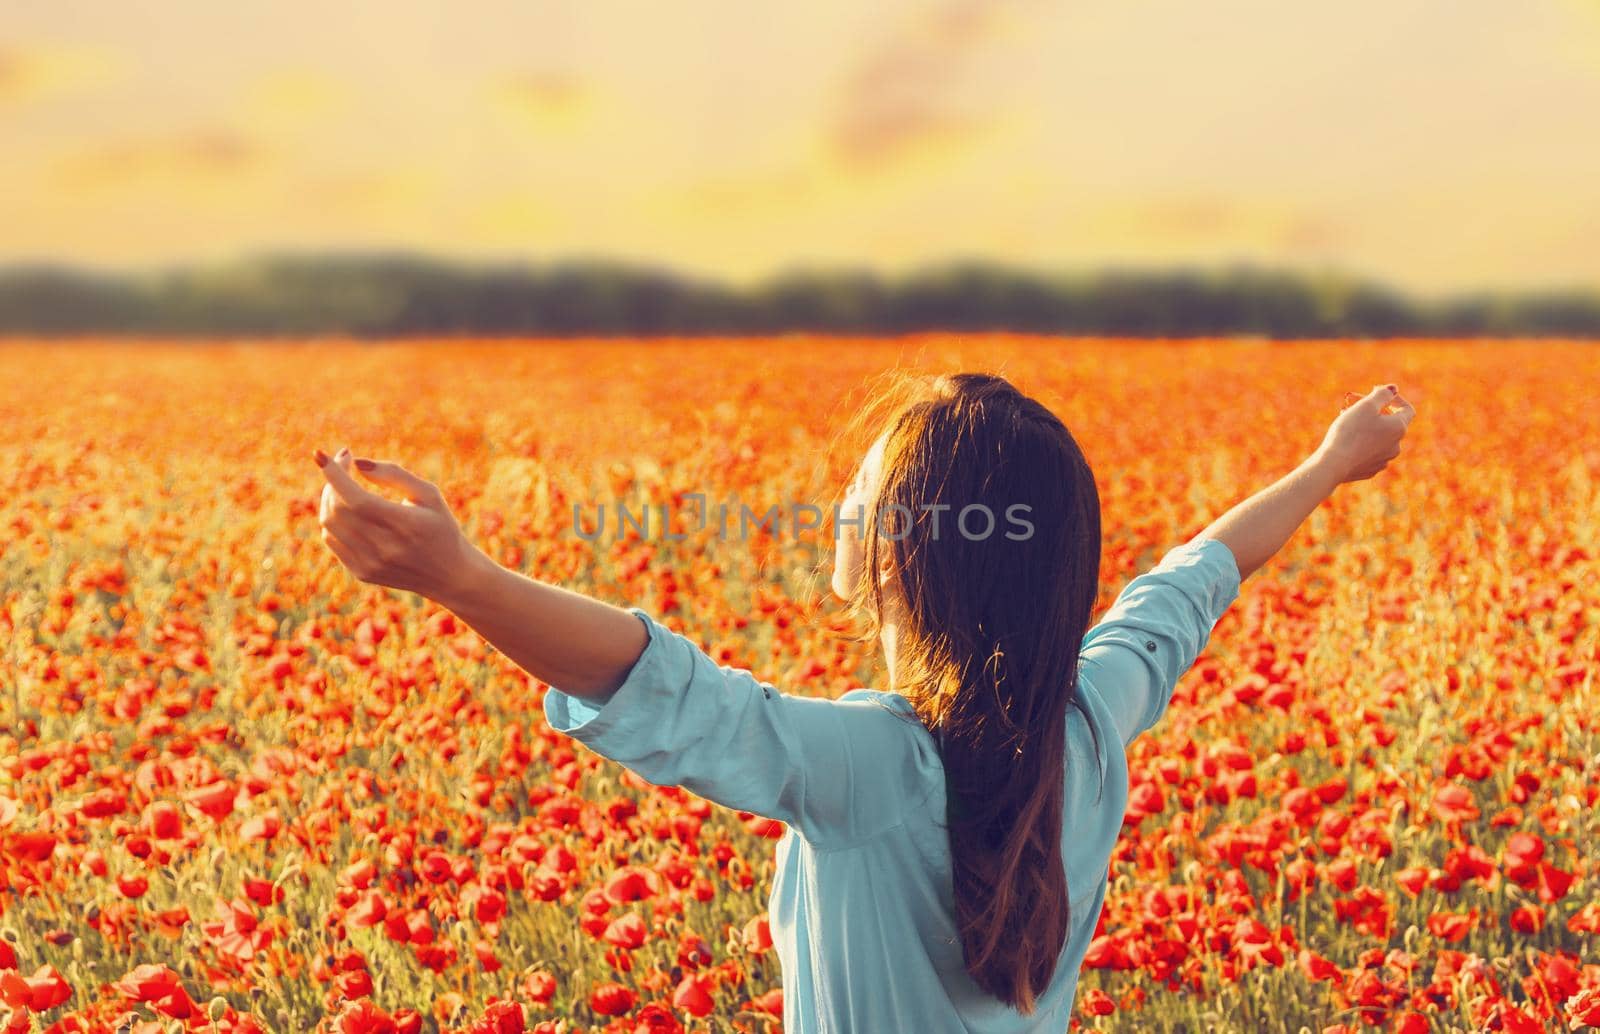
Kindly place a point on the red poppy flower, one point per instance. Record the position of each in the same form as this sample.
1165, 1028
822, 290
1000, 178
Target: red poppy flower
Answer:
500, 1018
1453, 803
627, 931
1097, 1003
1583, 1008
160, 988
363, 1017
215, 799
757, 936
693, 995
631, 883
236, 935
612, 999
46, 989
770, 1003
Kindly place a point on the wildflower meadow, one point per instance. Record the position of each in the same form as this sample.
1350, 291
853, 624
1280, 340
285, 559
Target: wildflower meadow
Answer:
242, 791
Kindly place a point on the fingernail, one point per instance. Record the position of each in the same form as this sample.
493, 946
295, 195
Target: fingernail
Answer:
365, 464
321, 457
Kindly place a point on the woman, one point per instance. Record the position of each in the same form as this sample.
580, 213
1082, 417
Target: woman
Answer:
948, 841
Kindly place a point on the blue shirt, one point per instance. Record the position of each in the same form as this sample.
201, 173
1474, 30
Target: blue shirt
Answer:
861, 909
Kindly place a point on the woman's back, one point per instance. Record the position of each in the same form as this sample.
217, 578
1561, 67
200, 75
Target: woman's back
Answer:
891, 959
861, 909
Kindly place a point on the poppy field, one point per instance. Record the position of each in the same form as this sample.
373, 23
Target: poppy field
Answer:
242, 791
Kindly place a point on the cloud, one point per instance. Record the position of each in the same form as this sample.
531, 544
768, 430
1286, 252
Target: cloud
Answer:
34, 73
909, 102
906, 95
208, 151
546, 100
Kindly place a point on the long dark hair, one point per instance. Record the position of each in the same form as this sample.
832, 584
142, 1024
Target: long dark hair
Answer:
989, 649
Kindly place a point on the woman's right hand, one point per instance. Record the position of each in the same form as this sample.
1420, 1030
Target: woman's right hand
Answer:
1364, 438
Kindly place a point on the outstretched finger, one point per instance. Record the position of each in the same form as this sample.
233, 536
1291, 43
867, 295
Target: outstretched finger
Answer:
1379, 396
392, 475
345, 487
1402, 409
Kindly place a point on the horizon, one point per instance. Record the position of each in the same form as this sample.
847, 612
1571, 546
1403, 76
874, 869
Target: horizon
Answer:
1219, 271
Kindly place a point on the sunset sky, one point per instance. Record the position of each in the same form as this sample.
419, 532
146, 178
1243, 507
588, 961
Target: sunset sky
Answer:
1439, 146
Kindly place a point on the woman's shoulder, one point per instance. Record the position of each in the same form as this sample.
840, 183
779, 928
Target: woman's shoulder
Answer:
896, 711
896, 719
893, 701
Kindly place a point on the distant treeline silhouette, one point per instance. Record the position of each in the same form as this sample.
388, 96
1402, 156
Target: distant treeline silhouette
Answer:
388, 295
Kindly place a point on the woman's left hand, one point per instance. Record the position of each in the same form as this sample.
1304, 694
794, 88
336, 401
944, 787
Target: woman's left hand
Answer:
416, 545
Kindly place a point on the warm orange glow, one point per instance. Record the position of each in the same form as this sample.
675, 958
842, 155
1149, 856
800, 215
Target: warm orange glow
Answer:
1437, 146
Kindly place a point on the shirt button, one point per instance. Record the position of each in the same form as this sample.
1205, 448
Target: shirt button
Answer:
1150, 644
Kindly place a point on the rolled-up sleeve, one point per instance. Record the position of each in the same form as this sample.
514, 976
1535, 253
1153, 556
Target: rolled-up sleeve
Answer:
680, 719
1156, 629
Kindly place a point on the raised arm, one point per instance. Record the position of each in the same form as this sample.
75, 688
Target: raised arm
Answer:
1359, 444
629, 688
564, 638
1133, 657
561, 637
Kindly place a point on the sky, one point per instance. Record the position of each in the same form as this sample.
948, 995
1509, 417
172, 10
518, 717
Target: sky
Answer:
1436, 145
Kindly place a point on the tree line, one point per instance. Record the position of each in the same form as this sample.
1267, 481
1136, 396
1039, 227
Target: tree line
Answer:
386, 295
